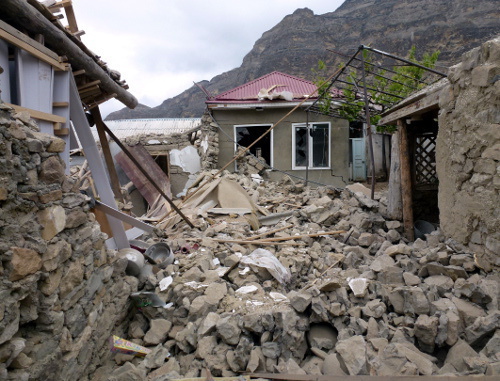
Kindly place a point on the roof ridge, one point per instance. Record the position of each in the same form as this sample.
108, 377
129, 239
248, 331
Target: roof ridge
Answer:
288, 79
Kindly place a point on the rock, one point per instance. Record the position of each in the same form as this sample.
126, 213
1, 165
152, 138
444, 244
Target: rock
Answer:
381, 262
482, 327
312, 365
299, 300
410, 279
366, 239
426, 328
332, 366
215, 292
52, 171
129, 372
228, 329
24, 262
53, 220
467, 311
256, 362
390, 275
358, 286
398, 249
424, 365
443, 283
458, 353
158, 332
454, 272
208, 325
374, 308
353, 354
271, 350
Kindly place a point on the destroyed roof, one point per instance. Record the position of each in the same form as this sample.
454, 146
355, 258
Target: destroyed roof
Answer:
96, 82
276, 82
124, 128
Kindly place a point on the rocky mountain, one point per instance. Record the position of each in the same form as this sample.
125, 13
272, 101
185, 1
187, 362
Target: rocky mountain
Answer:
300, 40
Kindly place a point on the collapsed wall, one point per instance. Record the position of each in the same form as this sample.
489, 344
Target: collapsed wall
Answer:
62, 292
468, 153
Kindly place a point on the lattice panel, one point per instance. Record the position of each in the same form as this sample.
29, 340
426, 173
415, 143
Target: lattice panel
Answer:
425, 159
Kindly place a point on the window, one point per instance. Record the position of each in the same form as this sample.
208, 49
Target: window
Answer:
247, 134
319, 146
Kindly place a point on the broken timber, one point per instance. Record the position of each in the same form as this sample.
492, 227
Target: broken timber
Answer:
146, 174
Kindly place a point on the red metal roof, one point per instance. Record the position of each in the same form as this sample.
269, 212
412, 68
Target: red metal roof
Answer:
282, 82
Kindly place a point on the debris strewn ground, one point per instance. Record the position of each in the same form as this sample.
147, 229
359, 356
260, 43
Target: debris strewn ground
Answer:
356, 300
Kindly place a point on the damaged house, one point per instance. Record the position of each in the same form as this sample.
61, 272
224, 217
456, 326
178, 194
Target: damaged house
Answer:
246, 112
445, 162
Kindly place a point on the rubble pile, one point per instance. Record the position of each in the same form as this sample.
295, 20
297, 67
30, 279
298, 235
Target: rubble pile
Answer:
358, 300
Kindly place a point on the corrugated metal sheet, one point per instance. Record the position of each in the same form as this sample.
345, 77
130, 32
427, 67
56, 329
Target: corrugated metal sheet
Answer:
125, 128
299, 87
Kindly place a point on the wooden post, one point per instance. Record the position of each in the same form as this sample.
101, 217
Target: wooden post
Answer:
406, 184
115, 183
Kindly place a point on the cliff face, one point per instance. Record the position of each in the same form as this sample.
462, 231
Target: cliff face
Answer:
295, 45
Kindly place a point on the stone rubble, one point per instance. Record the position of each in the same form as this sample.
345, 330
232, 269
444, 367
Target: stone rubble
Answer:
365, 302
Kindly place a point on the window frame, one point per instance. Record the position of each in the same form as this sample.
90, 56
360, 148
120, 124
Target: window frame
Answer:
310, 150
268, 125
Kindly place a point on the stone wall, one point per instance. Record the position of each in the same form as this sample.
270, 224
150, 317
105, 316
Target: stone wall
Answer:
183, 156
468, 153
63, 293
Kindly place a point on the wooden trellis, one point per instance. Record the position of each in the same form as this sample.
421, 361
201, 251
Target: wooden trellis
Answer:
425, 160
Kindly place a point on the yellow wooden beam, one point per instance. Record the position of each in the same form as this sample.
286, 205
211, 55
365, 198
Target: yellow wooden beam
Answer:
16, 38
35, 114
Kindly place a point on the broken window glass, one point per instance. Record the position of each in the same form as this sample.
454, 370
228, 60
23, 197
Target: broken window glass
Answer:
319, 145
246, 135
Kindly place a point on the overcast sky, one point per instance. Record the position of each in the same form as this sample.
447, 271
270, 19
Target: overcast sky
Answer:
162, 46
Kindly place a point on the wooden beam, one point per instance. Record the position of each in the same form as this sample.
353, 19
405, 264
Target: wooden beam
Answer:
60, 104
16, 38
59, 41
87, 85
420, 106
35, 114
124, 217
406, 183
78, 72
115, 183
61, 131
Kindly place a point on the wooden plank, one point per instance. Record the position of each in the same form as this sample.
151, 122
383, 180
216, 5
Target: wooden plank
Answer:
70, 15
79, 72
60, 104
16, 38
115, 183
420, 106
39, 114
87, 85
406, 183
124, 217
61, 132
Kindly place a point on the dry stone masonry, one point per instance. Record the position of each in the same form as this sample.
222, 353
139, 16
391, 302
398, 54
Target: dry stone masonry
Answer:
468, 153
62, 293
